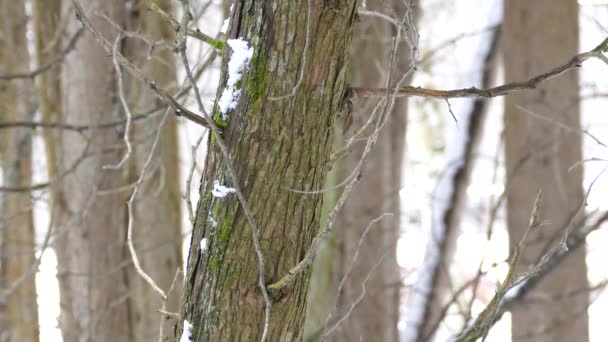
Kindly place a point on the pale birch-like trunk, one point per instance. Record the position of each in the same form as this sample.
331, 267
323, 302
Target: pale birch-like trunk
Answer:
539, 156
20, 311
90, 248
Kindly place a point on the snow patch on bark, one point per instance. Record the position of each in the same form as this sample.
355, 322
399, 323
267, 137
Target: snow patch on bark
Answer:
220, 190
241, 54
204, 244
187, 332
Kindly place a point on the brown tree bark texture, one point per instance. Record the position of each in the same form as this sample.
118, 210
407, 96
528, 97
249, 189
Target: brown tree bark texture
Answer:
16, 223
275, 145
157, 212
539, 154
90, 249
376, 316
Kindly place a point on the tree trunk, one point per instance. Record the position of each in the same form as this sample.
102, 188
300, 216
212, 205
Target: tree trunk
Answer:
157, 212
539, 154
90, 250
16, 223
436, 291
376, 315
275, 145
47, 17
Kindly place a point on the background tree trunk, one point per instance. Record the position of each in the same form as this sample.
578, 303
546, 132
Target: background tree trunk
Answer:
275, 145
47, 18
92, 281
440, 289
16, 223
376, 316
157, 219
539, 154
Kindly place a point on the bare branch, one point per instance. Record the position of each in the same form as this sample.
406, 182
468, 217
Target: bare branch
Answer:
136, 71
125, 105
57, 179
218, 44
502, 90
44, 68
481, 326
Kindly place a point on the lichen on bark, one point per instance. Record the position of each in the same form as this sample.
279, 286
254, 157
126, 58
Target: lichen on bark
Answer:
278, 139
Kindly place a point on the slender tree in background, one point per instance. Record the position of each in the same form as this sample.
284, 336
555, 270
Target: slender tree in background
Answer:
539, 156
278, 138
437, 286
16, 226
48, 45
157, 212
92, 283
375, 199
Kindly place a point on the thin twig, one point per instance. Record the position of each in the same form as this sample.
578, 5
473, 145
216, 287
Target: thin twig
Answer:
163, 309
48, 65
54, 181
216, 43
502, 90
125, 105
370, 225
135, 71
483, 322
130, 215
190, 175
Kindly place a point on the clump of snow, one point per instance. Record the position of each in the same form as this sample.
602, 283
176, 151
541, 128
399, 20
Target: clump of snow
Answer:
187, 332
514, 290
204, 243
225, 25
241, 54
220, 190
212, 222
227, 21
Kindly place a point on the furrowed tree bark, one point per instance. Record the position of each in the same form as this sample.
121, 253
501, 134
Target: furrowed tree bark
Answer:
275, 145
90, 252
376, 316
16, 223
538, 34
157, 212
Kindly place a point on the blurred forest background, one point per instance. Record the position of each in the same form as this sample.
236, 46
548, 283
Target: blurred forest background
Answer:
100, 179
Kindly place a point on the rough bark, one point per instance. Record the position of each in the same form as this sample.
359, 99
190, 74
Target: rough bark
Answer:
20, 309
157, 212
275, 145
90, 249
539, 154
374, 317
